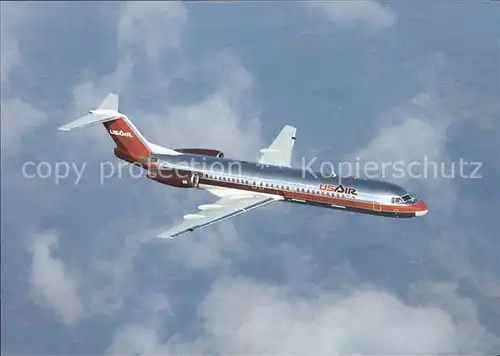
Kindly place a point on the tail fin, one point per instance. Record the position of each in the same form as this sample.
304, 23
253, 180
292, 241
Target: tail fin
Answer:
109, 103
131, 145
108, 110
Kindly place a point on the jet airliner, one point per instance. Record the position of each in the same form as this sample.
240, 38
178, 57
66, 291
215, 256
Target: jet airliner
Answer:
243, 186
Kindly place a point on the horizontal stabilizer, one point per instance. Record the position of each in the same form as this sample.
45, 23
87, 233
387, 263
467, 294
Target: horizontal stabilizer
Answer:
108, 110
88, 120
123, 132
109, 103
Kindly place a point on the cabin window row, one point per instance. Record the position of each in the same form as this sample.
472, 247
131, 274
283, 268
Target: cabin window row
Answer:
274, 186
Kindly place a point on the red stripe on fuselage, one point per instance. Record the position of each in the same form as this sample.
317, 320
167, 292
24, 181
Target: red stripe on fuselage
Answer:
348, 203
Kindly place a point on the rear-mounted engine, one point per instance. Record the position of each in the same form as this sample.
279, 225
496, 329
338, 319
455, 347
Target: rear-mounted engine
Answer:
202, 151
175, 178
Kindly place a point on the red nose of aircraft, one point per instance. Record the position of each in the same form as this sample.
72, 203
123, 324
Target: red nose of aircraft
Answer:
421, 208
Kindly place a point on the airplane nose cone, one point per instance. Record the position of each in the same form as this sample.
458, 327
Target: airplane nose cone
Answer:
421, 208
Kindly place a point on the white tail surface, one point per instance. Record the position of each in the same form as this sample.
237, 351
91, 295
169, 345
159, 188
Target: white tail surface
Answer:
118, 125
108, 110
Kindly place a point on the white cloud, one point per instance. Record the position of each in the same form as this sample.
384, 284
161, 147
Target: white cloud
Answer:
410, 131
216, 247
146, 32
135, 339
18, 118
416, 130
150, 27
11, 21
409, 147
219, 121
98, 288
51, 280
463, 310
245, 317
142, 337
353, 13
241, 316
105, 281
491, 289
222, 120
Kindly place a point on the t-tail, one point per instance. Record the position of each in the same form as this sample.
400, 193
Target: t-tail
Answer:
131, 146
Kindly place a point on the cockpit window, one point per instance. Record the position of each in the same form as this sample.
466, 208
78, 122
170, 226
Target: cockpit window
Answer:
404, 198
407, 197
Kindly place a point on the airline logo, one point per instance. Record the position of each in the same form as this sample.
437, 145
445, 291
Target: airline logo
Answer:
337, 189
120, 133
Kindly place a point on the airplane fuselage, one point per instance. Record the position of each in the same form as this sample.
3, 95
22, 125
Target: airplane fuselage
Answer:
243, 186
354, 194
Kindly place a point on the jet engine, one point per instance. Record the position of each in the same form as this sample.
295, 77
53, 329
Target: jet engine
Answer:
175, 178
202, 151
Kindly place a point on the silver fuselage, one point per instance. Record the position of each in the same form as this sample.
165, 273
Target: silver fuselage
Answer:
288, 182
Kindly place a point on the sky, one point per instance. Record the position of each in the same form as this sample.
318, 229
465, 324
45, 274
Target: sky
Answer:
363, 81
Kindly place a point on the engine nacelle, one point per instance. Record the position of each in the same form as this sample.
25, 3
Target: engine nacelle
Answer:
202, 151
175, 178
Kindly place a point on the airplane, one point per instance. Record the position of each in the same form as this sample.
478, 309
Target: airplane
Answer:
242, 186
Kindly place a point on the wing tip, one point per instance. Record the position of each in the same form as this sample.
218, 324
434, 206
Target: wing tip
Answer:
165, 236
171, 234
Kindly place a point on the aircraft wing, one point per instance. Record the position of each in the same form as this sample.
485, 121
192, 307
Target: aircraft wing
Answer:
280, 151
222, 209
